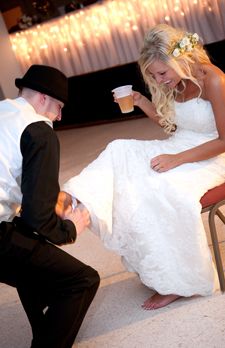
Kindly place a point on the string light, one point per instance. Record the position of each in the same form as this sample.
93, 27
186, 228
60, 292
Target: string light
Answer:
97, 23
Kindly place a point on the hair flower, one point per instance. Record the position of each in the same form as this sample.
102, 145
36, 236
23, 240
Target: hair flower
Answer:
195, 36
189, 48
176, 52
186, 44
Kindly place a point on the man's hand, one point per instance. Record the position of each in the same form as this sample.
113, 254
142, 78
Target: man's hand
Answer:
79, 216
64, 203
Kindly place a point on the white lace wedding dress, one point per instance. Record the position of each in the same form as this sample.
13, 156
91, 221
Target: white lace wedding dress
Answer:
153, 220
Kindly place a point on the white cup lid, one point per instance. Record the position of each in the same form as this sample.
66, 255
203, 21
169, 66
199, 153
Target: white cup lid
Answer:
122, 91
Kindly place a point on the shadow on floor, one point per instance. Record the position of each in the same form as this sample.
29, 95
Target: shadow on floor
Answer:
118, 305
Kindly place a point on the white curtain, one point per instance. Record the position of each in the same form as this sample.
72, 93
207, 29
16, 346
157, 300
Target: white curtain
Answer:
111, 32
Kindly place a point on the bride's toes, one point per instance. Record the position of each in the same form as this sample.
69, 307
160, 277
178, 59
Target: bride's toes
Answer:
148, 304
159, 301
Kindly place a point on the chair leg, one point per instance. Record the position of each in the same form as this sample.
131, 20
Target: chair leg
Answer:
221, 216
212, 226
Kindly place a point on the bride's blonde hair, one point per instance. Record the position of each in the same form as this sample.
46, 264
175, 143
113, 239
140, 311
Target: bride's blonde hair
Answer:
160, 43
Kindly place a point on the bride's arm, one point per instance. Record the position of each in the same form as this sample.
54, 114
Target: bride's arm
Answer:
146, 106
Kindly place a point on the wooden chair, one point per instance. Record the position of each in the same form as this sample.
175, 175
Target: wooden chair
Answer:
211, 202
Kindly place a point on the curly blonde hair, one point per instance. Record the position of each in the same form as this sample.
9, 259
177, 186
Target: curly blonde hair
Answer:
158, 44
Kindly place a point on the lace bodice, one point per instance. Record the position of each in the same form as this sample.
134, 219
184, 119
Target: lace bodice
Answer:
195, 115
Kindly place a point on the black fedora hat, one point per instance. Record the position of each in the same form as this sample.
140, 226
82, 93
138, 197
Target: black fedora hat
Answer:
47, 80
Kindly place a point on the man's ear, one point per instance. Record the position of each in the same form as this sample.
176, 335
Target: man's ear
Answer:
42, 98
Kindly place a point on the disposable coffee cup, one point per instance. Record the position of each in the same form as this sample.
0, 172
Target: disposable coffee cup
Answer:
123, 95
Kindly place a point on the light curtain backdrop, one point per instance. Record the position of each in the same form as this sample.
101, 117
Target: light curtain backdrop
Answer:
111, 32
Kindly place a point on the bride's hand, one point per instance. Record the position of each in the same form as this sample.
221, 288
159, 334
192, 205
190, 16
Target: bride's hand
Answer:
64, 204
137, 97
141, 101
165, 162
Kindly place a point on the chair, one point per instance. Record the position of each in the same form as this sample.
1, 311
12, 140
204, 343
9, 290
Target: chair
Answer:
211, 202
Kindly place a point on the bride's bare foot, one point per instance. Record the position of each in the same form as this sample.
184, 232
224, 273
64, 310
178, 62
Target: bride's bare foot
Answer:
159, 301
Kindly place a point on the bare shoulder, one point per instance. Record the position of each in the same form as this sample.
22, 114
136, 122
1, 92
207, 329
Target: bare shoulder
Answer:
214, 80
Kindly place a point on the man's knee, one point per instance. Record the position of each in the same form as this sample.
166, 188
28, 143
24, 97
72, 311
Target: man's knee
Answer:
92, 277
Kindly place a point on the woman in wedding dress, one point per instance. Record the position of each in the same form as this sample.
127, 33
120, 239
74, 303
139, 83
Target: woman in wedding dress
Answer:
143, 196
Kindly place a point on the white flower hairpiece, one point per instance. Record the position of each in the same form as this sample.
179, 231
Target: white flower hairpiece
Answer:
186, 44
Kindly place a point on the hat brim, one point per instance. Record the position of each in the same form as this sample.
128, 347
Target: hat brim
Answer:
19, 82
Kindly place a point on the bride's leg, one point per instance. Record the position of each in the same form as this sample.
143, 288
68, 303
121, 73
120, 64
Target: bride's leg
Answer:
159, 301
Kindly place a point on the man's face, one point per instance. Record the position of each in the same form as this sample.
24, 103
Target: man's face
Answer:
53, 109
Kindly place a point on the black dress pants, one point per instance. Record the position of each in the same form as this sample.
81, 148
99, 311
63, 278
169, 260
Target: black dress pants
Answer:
55, 288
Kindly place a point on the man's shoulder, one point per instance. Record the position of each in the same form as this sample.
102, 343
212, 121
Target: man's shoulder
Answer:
40, 128
7, 105
39, 134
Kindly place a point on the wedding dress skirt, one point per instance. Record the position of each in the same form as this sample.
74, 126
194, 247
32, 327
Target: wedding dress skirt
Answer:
153, 220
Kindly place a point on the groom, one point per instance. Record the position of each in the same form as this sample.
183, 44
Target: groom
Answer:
55, 288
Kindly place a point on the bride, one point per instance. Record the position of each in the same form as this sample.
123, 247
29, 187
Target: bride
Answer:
143, 196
